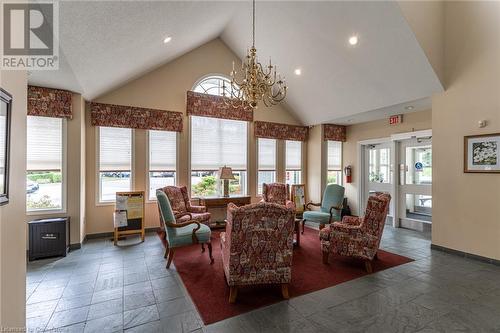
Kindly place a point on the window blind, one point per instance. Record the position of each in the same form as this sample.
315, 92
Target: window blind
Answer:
334, 155
293, 151
267, 154
44, 143
162, 150
217, 142
115, 146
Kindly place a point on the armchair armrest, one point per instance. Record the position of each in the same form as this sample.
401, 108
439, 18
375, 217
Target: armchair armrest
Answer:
351, 220
310, 203
338, 208
290, 205
178, 215
197, 209
183, 224
339, 228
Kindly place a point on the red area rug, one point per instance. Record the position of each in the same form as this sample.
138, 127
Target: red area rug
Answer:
208, 289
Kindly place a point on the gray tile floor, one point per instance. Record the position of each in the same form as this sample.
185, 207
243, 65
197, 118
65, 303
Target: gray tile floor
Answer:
102, 288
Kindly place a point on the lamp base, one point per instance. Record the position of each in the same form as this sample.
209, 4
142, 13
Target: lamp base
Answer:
226, 188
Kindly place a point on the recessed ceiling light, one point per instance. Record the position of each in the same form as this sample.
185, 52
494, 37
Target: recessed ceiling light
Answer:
409, 107
167, 39
297, 71
353, 40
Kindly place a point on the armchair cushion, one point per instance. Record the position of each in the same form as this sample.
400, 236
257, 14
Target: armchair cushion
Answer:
316, 216
183, 236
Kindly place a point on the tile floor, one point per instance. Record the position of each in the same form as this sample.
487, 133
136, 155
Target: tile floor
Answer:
102, 288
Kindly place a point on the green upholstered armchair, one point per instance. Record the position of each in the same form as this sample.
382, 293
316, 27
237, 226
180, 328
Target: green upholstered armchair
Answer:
181, 233
329, 210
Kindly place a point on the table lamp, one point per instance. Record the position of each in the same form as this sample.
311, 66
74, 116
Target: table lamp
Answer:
226, 174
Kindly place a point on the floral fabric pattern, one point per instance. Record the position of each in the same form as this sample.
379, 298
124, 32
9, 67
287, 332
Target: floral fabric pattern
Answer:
180, 203
257, 246
47, 102
112, 115
334, 132
358, 237
213, 106
275, 193
263, 129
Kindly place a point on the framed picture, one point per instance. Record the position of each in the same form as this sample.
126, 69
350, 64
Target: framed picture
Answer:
5, 114
298, 196
482, 153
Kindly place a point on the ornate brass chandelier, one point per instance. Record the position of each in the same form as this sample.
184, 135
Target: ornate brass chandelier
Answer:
257, 82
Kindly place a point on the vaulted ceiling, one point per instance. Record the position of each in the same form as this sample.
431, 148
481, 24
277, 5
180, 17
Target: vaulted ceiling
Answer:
104, 44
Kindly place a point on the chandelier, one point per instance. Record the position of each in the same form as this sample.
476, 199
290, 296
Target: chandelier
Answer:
257, 82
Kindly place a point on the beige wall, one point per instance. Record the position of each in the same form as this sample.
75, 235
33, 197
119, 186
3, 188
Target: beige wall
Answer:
415, 121
12, 226
165, 88
466, 212
316, 164
75, 166
426, 19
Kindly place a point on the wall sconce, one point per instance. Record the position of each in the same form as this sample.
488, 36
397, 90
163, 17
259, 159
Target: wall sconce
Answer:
482, 123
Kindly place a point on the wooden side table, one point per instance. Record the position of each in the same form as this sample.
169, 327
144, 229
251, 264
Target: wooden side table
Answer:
222, 202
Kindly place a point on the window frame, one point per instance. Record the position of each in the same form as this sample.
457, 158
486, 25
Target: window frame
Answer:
341, 183
257, 161
148, 197
301, 162
64, 183
97, 191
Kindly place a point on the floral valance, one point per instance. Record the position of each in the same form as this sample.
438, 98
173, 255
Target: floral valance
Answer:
268, 130
112, 115
47, 102
334, 132
206, 105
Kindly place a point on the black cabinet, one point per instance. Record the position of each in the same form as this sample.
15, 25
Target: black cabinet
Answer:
48, 238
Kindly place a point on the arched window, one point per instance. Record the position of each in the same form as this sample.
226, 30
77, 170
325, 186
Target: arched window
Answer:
213, 85
216, 143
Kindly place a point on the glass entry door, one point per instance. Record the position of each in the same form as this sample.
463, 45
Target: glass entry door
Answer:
377, 171
415, 180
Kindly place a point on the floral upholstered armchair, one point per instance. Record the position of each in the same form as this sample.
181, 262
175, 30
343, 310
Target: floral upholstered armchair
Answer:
257, 246
357, 237
179, 200
276, 193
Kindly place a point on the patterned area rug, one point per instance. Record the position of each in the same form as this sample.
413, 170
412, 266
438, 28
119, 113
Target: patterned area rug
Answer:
207, 286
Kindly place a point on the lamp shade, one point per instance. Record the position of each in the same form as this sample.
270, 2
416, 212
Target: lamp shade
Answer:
226, 173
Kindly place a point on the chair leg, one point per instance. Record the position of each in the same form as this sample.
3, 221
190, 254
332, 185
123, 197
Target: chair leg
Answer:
202, 248
170, 257
284, 291
376, 256
233, 292
368, 266
210, 253
166, 250
325, 258
303, 226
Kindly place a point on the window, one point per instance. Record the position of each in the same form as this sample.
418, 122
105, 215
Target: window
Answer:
334, 162
379, 165
162, 160
115, 162
293, 162
266, 162
214, 85
216, 143
44, 165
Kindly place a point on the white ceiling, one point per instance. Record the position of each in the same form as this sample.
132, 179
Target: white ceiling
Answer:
105, 44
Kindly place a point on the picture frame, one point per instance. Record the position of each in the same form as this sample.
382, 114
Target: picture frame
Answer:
298, 196
482, 153
5, 119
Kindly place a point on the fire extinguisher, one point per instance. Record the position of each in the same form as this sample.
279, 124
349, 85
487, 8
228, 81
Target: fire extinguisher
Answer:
348, 174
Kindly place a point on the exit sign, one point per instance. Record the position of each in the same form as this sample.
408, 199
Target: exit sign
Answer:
397, 119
